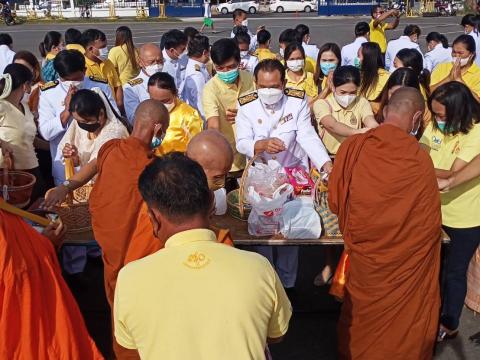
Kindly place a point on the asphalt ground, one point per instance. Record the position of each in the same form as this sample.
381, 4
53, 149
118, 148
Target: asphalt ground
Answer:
312, 334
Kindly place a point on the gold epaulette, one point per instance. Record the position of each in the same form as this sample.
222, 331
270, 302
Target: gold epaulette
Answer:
245, 99
98, 79
134, 82
49, 85
300, 94
197, 67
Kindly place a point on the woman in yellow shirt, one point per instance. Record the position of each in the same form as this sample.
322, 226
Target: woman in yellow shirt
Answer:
124, 55
185, 121
51, 45
411, 58
374, 76
452, 140
296, 76
329, 57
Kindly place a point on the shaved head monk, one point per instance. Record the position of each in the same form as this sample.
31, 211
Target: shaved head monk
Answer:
215, 155
383, 189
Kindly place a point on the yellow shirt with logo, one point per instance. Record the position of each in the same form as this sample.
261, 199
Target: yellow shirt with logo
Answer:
199, 299
471, 77
104, 70
264, 54
185, 123
353, 117
461, 205
377, 35
118, 55
217, 98
306, 83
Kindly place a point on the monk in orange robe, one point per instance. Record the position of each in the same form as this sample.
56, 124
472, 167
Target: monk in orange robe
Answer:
39, 318
214, 154
383, 189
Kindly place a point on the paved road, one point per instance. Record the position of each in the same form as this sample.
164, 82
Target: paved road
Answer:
312, 333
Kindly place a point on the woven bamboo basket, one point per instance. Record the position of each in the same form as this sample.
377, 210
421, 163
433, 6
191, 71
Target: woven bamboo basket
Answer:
237, 206
16, 186
320, 201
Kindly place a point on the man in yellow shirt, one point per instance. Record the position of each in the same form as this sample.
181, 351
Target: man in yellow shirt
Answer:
73, 38
96, 60
223, 303
263, 51
221, 93
378, 25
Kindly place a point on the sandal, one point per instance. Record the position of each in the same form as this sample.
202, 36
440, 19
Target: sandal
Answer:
446, 334
322, 280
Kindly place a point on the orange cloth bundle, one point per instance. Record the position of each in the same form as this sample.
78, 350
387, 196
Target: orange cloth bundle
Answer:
337, 288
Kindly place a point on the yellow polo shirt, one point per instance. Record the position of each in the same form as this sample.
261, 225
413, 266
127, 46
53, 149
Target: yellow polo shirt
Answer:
306, 83
199, 299
471, 77
383, 77
352, 117
461, 205
77, 47
377, 35
104, 70
118, 55
264, 54
217, 98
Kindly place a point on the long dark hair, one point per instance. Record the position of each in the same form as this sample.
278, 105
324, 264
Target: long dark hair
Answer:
123, 36
372, 62
412, 58
326, 47
462, 109
401, 77
52, 38
19, 73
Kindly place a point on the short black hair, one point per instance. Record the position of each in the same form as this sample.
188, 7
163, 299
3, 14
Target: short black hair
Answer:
5, 39
87, 103
361, 29
224, 50
90, 36
469, 43
190, 32
198, 45
412, 30
302, 30
163, 80
242, 38
270, 65
263, 36
289, 36
237, 13
470, 19
345, 75
437, 37
177, 186
73, 36
68, 62
173, 39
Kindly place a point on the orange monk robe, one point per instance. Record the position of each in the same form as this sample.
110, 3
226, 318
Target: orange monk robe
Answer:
144, 243
39, 318
383, 189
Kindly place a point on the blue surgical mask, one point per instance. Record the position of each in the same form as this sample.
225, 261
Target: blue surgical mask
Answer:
441, 125
228, 77
157, 141
326, 67
357, 63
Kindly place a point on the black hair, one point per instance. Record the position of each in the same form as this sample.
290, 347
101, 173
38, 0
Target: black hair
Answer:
190, 32
374, 8
302, 30
237, 13
87, 103
270, 65
263, 37
90, 36
177, 186
5, 39
346, 75
73, 36
462, 109
318, 76
372, 62
289, 36
469, 43
163, 80
412, 58
198, 45
361, 29
19, 73
291, 48
412, 30
68, 62
224, 50
472, 20
173, 39
32, 60
437, 37
242, 38
51, 39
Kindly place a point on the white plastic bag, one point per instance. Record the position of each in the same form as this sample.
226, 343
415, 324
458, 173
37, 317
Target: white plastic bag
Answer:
299, 220
220, 201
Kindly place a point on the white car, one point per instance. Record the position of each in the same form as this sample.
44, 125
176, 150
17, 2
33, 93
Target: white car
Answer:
231, 5
280, 6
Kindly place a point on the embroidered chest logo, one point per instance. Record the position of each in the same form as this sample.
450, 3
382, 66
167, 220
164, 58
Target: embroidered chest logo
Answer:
436, 140
196, 261
285, 119
353, 120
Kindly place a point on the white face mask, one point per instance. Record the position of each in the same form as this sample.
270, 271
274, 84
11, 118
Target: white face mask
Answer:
103, 53
153, 69
463, 62
295, 65
243, 54
170, 106
345, 100
282, 52
270, 96
68, 83
245, 22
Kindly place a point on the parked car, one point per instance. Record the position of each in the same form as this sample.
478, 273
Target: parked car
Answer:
228, 7
280, 6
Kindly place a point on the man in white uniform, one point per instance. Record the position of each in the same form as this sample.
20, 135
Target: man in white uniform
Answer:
248, 61
350, 51
409, 40
175, 55
311, 50
54, 117
240, 20
196, 74
275, 122
135, 91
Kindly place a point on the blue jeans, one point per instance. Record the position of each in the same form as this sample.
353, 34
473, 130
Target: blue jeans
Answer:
464, 243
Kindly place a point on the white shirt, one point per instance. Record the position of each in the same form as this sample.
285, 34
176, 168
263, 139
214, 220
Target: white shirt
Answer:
437, 56
134, 92
289, 120
196, 76
6, 57
51, 105
476, 36
253, 40
208, 11
249, 62
394, 46
350, 51
176, 68
311, 50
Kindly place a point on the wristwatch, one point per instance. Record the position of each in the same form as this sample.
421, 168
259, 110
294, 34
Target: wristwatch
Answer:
67, 184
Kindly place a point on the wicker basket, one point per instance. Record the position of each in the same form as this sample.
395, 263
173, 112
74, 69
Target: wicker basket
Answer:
16, 186
329, 220
237, 206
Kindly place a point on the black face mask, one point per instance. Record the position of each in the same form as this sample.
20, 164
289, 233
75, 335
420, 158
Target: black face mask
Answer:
89, 127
